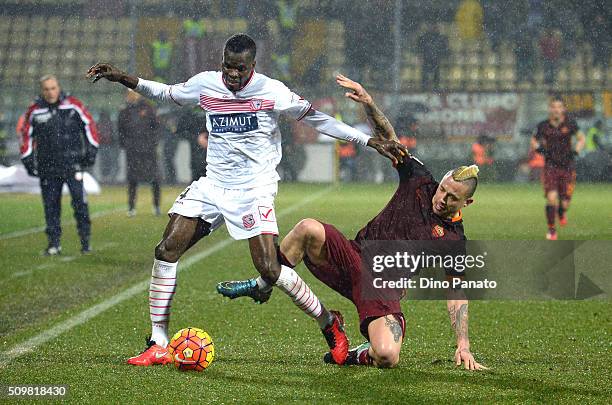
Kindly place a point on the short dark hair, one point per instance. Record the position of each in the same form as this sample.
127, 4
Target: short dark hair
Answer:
472, 183
239, 43
554, 98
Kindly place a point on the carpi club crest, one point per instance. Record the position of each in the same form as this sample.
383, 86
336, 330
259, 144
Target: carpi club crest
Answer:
248, 221
256, 104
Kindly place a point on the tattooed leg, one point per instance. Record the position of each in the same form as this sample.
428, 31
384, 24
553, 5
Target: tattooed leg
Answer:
394, 327
386, 341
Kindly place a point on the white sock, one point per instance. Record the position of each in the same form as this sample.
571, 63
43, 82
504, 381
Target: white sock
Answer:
161, 292
262, 284
299, 292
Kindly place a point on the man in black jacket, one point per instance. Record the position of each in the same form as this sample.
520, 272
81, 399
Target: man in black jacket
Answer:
59, 141
138, 129
191, 126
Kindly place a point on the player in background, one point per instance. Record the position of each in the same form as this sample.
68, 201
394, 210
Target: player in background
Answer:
244, 149
420, 209
553, 139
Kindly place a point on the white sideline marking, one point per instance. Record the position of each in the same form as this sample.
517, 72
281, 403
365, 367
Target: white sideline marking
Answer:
30, 231
24, 273
91, 312
60, 260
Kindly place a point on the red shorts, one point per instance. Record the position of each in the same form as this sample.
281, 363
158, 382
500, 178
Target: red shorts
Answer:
342, 273
561, 180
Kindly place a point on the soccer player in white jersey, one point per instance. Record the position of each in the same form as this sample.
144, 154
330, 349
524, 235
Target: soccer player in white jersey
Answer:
244, 148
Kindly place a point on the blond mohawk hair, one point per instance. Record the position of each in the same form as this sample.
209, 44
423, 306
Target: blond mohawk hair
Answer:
467, 174
464, 173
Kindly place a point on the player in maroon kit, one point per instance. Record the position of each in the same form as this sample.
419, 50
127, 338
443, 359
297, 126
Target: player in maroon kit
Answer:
553, 139
421, 209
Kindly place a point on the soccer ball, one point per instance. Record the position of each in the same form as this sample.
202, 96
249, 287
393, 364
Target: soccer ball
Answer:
191, 349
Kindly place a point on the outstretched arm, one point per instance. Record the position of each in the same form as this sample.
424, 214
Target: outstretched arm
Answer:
330, 126
185, 93
112, 74
458, 314
379, 123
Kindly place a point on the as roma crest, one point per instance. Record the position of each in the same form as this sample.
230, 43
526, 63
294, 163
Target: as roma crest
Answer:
248, 221
437, 231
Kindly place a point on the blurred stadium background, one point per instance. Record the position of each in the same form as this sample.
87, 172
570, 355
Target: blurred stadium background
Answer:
498, 62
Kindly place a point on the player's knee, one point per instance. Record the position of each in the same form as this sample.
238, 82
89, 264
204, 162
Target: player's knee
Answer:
310, 230
386, 356
167, 250
307, 227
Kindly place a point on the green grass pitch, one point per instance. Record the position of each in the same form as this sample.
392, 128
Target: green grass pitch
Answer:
553, 351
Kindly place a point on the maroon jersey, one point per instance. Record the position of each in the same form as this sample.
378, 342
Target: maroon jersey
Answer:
557, 142
409, 214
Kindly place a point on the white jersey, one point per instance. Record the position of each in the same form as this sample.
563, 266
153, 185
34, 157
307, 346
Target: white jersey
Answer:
244, 142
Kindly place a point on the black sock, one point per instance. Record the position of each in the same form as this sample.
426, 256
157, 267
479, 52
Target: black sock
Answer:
550, 215
561, 211
325, 320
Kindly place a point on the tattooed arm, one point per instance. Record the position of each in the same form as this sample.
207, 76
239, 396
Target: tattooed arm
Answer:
458, 314
379, 123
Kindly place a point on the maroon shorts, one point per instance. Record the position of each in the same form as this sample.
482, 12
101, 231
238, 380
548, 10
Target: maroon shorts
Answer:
342, 273
561, 180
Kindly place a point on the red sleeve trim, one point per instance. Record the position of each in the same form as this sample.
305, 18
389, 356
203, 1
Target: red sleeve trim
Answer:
307, 111
172, 97
91, 130
27, 145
